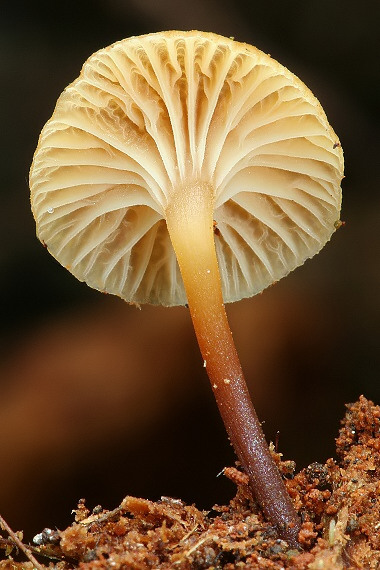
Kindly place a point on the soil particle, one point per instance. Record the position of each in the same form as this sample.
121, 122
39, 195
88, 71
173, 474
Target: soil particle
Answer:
339, 503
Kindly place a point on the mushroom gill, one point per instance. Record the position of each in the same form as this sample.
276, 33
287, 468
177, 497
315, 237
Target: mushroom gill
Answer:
151, 117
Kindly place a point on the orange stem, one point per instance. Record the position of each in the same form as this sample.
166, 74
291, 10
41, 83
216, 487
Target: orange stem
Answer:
190, 225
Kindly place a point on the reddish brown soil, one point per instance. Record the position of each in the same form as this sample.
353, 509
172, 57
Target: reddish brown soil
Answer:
339, 503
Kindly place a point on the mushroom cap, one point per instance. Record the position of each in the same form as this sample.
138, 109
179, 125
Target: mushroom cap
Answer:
149, 115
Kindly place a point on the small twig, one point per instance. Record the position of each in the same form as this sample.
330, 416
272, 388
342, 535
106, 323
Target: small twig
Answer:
20, 544
103, 517
195, 547
201, 541
277, 441
188, 534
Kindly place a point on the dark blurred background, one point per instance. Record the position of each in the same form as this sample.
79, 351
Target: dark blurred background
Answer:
100, 400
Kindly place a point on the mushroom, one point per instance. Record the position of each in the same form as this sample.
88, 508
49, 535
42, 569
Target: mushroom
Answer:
187, 168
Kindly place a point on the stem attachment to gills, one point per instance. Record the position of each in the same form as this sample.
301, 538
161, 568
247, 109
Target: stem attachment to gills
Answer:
190, 225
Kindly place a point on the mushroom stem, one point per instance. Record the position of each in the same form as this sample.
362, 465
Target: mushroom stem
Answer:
190, 225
